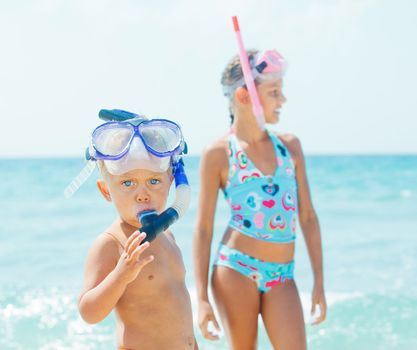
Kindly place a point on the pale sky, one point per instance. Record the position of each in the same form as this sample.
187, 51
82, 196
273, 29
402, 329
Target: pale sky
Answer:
351, 82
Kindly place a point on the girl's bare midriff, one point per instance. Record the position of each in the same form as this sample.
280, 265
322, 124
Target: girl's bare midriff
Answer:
272, 252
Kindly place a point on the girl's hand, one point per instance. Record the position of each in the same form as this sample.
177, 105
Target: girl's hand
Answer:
130, 264
205, 315
318, 298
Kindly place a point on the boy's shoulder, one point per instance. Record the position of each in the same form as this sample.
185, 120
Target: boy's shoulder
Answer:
101, 259
106, 246
170, 235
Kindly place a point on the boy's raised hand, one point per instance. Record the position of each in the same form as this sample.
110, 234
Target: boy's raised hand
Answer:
130, 264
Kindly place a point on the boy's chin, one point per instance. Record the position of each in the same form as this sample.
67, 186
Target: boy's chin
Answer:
135, 224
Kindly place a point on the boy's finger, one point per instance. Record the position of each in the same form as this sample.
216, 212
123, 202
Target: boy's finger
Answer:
136, 241
130, 239
142, 263
139, 250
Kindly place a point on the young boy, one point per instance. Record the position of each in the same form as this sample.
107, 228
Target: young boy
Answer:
144, 282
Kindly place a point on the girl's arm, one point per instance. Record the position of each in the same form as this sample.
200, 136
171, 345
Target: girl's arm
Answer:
210, 183
310, 226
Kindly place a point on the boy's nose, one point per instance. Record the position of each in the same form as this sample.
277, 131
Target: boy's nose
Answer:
142, 197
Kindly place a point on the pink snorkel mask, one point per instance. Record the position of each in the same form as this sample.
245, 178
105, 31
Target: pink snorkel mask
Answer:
268, 64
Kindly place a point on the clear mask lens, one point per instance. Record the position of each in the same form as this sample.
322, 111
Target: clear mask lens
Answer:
160, 137
112, 140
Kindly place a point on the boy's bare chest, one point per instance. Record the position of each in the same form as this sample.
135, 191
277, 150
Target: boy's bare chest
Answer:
167, 270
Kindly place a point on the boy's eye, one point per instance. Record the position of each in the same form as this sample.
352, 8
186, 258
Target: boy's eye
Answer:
127, 183
154, 181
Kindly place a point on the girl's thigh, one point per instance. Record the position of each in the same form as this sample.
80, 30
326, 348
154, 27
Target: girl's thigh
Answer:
238, 302
282, 314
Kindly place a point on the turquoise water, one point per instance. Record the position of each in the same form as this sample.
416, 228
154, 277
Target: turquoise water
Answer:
367, 207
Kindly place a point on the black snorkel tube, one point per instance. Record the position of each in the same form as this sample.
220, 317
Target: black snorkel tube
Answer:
151, 222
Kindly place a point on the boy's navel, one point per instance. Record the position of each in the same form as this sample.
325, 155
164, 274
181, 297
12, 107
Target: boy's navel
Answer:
150, 277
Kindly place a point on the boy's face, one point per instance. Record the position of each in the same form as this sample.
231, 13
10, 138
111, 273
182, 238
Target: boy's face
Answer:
136, 191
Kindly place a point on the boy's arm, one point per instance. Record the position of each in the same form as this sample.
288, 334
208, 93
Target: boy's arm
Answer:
107, 275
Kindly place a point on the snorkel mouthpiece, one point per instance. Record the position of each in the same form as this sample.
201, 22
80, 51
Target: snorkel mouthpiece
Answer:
152, 223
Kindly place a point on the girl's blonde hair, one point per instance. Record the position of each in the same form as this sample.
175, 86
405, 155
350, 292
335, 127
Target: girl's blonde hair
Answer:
233, 73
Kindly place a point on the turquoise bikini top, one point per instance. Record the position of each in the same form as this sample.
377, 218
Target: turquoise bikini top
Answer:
262, 206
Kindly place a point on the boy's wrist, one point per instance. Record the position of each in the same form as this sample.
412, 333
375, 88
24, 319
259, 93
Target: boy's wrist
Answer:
118, 278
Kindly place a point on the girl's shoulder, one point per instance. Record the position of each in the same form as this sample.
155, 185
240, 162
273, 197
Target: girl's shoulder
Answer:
215, 154
287, 138
217, 147
292, 143
220, 142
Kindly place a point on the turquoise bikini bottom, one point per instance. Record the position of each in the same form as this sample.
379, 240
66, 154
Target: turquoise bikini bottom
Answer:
265, 274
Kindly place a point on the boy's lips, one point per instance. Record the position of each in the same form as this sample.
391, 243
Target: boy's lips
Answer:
142, 209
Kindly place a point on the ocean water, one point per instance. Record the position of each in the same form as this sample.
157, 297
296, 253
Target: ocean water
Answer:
367, 206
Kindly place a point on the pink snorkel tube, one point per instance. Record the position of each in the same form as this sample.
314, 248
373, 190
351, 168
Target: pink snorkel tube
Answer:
247, 74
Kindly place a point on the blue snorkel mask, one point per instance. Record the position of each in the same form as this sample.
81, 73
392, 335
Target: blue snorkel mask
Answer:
128, 141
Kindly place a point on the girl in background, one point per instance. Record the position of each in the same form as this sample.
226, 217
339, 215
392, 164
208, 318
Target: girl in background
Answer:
263, 177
